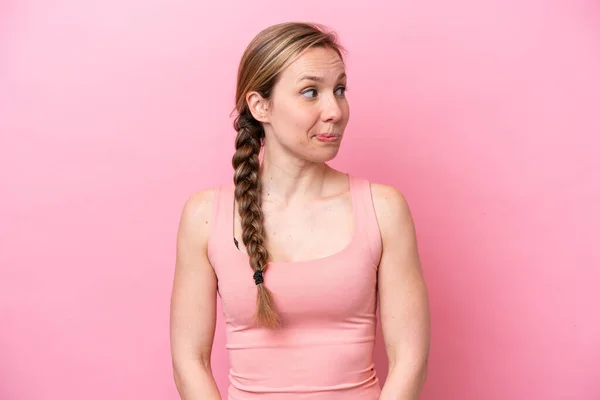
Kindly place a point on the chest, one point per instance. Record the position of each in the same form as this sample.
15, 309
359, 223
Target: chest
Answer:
299, 232
339, 289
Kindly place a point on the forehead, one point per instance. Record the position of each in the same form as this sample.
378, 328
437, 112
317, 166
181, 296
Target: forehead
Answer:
319, 62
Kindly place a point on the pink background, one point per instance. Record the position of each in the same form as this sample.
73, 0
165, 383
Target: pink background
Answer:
484, 113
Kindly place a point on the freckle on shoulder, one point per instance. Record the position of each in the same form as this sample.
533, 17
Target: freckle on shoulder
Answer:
389, 193
198, 206
389, 202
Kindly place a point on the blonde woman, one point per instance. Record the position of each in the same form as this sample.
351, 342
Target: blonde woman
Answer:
299, 253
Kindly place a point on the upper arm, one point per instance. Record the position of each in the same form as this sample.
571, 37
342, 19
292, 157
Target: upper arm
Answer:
193, 297
403, 299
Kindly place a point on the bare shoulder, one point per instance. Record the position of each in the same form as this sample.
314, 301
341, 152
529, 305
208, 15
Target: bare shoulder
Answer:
196, 214
199, 204
392, 209
194, 291
403, 297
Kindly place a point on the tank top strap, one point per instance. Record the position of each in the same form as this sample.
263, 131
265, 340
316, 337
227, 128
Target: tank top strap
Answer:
365, 219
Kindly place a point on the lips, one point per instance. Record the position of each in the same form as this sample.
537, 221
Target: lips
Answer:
328, 138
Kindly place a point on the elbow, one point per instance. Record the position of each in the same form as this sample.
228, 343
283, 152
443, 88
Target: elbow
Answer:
178, 379
405, 380
179, 374
416, 371
424, 372
185, 369
421, 370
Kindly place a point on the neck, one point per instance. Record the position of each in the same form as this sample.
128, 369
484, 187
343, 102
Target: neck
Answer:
287, 179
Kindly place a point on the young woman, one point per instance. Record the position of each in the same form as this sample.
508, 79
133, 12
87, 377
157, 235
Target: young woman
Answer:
300, 253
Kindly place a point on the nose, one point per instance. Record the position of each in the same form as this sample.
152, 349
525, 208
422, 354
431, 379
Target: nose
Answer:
332, 112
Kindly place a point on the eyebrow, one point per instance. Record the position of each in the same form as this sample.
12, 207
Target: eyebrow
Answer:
317, 78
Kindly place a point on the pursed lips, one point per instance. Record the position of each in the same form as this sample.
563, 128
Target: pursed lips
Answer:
328, 134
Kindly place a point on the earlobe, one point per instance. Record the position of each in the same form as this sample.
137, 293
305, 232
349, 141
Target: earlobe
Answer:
258, 106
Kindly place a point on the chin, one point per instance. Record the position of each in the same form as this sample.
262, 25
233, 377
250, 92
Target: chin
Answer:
324, 155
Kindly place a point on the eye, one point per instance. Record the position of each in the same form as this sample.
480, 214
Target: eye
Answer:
310, 93
341, 91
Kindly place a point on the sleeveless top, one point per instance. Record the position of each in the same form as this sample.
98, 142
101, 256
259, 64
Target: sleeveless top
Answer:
327, 306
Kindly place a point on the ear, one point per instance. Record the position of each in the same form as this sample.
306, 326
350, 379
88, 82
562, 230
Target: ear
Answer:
259, 106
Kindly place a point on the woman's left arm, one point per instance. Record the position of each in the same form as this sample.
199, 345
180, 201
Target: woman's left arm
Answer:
403, 299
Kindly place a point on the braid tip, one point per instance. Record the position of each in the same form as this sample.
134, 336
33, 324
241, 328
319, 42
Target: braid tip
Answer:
266, 314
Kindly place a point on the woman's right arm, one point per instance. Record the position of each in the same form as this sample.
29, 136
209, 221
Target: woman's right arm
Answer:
193, 303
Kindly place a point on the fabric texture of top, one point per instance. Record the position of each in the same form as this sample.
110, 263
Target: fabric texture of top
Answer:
327, 306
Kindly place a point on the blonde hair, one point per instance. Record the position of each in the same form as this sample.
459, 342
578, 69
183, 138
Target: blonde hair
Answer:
269, 53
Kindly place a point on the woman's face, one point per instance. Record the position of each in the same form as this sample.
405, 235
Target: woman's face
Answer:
308, 110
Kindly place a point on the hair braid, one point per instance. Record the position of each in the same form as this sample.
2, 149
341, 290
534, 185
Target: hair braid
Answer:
265, 57
248, 195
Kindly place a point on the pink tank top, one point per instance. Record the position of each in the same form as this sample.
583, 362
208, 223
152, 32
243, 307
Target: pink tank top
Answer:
324, 349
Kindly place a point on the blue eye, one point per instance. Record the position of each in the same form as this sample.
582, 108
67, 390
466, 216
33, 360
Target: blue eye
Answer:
306, 92
343, 90
312, 93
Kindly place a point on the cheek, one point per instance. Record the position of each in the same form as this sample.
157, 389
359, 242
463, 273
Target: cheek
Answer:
295, 119
306, 118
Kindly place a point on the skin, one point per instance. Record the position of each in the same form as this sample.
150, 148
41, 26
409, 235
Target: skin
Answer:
308, 215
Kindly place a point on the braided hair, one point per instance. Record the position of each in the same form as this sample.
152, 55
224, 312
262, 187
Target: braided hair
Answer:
269, 53
248, 195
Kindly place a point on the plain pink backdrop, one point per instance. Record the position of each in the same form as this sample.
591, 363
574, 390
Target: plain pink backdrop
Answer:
484, 113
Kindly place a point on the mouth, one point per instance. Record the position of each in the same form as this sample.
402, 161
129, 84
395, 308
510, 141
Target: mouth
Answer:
328, 137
